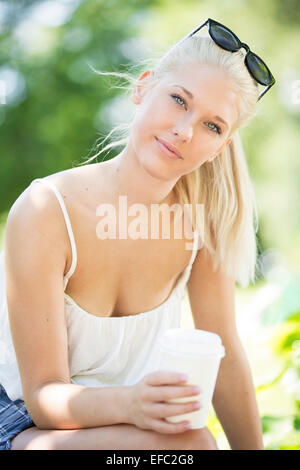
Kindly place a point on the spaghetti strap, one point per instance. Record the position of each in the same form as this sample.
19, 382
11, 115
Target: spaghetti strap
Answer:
180, 286
68, 224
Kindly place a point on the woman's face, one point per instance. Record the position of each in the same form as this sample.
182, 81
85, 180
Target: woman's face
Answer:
188, 122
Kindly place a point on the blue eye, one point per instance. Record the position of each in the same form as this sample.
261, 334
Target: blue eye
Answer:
218, 129
179, 97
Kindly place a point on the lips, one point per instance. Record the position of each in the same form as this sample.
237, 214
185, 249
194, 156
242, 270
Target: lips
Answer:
170, 147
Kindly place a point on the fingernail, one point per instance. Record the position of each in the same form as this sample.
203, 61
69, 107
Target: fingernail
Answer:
196, 389
183, 377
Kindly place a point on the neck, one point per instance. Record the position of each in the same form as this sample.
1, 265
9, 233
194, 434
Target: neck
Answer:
127, 176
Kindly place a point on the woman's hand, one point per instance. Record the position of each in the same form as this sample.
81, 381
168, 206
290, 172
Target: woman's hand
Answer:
148, 408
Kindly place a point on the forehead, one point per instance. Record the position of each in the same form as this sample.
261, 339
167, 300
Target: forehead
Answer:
210, 86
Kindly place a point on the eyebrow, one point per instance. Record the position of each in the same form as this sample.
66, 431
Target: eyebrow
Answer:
218, 118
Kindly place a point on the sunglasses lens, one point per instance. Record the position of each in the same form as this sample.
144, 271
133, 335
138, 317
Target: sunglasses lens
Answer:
224, 38
258, 69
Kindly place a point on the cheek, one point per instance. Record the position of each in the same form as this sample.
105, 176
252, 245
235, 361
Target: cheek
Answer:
157, 114
148, 126
201, 150
199, 155
140, 128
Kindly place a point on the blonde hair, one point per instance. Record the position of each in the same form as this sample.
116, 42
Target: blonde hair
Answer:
223, 185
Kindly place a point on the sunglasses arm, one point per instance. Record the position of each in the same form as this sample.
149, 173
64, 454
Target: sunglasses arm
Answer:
265, 91
193, 32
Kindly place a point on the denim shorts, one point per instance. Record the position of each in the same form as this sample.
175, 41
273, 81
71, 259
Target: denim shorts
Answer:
14, 418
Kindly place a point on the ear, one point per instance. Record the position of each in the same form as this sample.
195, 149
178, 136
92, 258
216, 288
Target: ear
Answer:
139, 91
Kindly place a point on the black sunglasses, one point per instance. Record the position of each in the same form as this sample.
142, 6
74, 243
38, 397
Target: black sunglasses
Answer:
226, 39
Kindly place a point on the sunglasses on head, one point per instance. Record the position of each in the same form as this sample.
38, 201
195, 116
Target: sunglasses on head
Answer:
226, 39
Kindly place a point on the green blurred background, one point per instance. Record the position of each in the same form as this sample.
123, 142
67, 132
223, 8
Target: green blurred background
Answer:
53, 109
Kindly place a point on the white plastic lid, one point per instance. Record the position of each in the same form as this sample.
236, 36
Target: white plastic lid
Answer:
191, 342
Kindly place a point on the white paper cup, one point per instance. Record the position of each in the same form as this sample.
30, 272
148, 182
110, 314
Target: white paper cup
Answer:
196, 353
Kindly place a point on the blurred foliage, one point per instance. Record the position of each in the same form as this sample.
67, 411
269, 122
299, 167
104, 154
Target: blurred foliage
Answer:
56, 108
53, 122
284, 313
286, 307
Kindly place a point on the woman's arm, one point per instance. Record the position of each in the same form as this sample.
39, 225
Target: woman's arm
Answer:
35, 260
59, 405
212, 301
234, 401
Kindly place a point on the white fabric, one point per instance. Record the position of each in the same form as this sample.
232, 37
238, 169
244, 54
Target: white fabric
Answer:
102, 351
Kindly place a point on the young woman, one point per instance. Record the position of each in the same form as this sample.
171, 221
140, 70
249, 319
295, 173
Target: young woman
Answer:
81, 314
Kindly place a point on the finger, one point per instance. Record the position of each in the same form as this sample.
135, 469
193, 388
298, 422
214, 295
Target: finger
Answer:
163, 377
163, 427
165, 393
164, 410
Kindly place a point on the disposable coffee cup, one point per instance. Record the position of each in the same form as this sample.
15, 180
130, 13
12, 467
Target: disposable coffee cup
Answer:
198, 354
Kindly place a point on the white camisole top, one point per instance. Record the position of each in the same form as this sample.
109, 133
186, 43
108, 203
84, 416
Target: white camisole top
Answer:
102, 351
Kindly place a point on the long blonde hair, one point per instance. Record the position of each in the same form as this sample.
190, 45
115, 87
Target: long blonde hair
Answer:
223, 185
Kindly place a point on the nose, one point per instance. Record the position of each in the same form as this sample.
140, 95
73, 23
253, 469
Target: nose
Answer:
184, 132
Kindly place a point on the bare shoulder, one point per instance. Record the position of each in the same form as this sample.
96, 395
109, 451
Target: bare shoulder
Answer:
71, 179
79, 186
38, 197
37, 208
